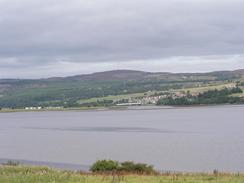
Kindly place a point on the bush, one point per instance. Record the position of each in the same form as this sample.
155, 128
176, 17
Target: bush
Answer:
104, 165
127, 166
143, 168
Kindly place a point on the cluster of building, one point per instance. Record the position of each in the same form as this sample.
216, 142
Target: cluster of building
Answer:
153, 99
45, 108
33, 108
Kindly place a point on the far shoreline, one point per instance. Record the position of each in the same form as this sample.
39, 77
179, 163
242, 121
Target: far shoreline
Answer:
118, 108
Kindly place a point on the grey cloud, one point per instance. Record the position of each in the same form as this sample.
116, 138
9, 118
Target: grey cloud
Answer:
62, 67
39, 33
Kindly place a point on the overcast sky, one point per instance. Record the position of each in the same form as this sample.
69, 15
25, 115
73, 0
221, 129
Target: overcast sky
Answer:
44, 38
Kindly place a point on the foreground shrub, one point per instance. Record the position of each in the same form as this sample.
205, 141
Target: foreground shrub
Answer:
104, 165
127, 166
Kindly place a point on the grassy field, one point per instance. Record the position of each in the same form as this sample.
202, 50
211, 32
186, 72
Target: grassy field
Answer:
217, 86
24, 174
112, 97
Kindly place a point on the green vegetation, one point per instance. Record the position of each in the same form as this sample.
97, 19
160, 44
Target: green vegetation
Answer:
127, 166
124, 97
208, 97
24, 174
104, 166
105, 88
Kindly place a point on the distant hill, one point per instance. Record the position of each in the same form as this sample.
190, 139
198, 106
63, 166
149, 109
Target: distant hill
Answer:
137, 75
63, 90
114, 75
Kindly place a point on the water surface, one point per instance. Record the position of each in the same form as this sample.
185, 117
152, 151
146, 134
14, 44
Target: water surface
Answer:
178, 139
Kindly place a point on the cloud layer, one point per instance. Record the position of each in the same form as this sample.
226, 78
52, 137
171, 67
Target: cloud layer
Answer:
58, 37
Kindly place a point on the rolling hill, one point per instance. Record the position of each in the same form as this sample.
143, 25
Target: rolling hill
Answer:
58, 91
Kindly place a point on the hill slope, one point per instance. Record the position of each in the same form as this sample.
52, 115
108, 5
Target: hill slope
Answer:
67, 90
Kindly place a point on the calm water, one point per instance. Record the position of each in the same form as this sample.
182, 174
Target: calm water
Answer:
180, 139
